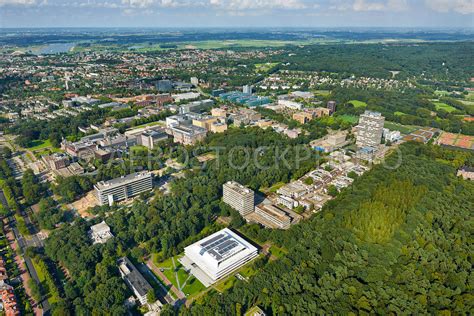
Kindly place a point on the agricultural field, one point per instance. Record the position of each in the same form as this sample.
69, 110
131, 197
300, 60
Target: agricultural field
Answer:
219, 45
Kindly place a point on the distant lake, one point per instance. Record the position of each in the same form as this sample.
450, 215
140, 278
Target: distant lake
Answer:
55, 48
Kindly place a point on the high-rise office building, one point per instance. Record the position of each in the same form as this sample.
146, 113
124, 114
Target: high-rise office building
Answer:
370, 129
238, 197
247, 89
123, 188
332, 107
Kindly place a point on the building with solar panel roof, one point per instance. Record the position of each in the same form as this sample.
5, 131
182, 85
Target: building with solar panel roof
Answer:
217, 255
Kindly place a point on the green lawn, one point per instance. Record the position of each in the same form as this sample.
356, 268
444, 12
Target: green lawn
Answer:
448, 108
138, 149
277, 252
323, 93
265, 67
276, 186
398, 113
225, 284
248, 271
192, 287
39, 144
358, 104
160, 123
405, 129
349, 118
441, 92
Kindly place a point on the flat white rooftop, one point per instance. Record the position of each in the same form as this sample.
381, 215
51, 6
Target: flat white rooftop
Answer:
217, 255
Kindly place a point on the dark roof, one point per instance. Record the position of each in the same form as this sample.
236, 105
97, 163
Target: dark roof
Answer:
135, 278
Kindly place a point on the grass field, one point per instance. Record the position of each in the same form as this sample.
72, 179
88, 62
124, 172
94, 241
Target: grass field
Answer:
275, 187
159, 123
277, 252
323, 93
443, 106
358, 104
179, 277
398, 113
404, 129
265, 67
40, 144
349, 118
225, 284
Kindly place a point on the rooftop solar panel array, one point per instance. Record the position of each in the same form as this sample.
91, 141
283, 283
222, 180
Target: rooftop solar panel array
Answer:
219, 246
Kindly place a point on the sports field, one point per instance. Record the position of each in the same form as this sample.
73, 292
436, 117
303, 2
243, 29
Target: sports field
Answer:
456, 140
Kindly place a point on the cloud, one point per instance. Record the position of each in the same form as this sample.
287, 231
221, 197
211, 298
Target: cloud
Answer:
459, 6
369, 5
257, 4
17, 2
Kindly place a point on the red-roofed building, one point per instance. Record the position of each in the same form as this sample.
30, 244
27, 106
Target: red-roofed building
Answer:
10, 305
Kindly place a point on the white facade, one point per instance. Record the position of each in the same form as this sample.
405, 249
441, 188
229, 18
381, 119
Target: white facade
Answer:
370, 129
238, 197
290, 104
100, 233
123, 188
217, 255
391, 136
247, 89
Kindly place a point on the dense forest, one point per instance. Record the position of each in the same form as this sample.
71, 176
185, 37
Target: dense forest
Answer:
397, 241
440, 61
166, 224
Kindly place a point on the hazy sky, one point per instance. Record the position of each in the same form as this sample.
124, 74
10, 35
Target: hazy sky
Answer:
202, 13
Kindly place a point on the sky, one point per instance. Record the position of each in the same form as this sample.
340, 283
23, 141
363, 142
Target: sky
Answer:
237, 13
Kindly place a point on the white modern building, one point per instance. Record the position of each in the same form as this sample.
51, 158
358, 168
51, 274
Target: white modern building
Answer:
391, 136
122, 188
247, 89
237, 196
217, 256
100, 233
290, 104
